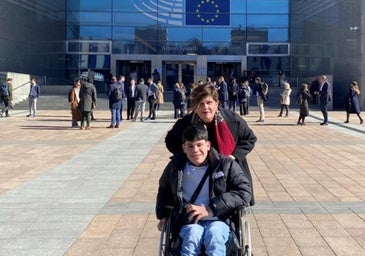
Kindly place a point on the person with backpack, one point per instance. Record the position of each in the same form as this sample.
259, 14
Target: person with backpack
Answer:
261, 91
115, 96
6, 96
243, 97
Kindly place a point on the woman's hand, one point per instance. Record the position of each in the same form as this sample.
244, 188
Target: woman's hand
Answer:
161, 224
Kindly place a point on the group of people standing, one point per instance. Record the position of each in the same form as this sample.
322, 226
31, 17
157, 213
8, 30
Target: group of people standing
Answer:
230, 95
322, 91
83, 100
6, 97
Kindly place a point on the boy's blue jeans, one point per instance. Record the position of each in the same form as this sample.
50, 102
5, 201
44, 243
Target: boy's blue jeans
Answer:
213, 234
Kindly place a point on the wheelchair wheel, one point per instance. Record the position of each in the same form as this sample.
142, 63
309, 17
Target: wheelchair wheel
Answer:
246, 237
165, 239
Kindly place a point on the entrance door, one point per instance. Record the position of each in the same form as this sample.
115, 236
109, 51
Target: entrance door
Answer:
136, 69
176, 72
226, 69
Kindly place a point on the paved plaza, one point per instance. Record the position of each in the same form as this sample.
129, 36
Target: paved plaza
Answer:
65, 191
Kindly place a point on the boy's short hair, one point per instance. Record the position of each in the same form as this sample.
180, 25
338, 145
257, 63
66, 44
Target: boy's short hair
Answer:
195, 132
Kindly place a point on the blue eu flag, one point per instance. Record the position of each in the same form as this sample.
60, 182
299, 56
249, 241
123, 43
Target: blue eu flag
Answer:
207, 12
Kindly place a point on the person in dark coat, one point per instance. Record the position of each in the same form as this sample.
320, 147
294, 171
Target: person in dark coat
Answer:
87, 103
352, 104
228, 132
302, 100
115, 102
200, 215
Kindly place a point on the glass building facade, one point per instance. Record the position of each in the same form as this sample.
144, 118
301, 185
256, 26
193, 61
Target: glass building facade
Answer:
32, 38
187, 40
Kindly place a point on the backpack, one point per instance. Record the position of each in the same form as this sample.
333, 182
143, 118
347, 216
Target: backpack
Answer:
4, 90
265, 88
117, 92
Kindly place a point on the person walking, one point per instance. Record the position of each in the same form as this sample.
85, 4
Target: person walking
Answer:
6, 96
352, 104
74, 102
87, 103
285, 99
33, 97
115, 96
141, 98
302, 100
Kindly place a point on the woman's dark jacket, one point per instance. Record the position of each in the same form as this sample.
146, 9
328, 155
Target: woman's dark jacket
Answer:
243, 136
228, 192
352, 104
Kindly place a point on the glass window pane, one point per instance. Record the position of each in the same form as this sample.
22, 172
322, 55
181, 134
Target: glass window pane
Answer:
268, 6
184, 34
134, 19
238, 20
95, 33
89, 5
95, 18
268, 49
266, 20
214, 34
123, 5
124, 33
238, 6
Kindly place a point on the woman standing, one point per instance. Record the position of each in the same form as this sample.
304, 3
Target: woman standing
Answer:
285, 100
74, 100
352, 102
302, 101
160, 96
228, 132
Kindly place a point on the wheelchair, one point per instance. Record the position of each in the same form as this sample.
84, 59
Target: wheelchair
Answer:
238, 244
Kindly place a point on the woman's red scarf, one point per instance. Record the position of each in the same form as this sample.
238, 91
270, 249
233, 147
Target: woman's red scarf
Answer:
223, 135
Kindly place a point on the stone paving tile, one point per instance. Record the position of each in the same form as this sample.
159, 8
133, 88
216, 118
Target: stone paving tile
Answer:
345, 246
316, 251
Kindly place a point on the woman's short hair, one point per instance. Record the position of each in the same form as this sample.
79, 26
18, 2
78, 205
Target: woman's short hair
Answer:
202, 91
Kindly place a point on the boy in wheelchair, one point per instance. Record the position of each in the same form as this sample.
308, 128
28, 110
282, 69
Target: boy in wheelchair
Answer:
204, 188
